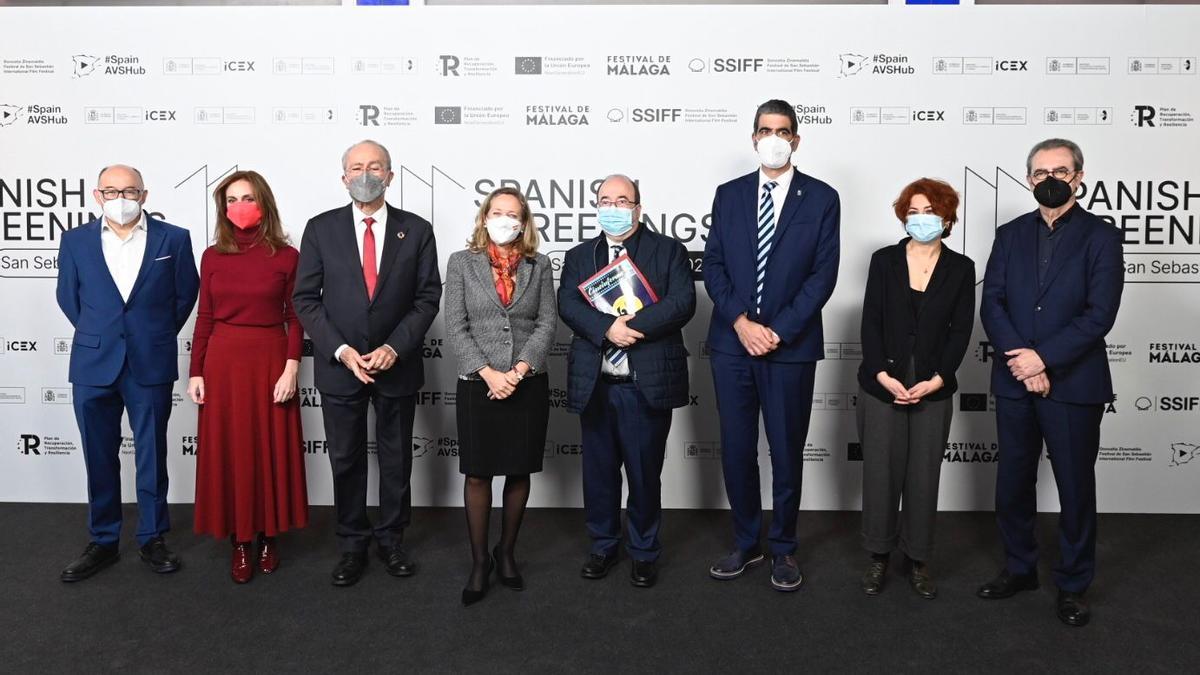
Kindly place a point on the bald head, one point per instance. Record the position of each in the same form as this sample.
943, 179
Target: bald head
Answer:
119, 176
619, 185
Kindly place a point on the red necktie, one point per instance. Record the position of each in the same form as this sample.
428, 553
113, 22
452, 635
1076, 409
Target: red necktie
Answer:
370, 274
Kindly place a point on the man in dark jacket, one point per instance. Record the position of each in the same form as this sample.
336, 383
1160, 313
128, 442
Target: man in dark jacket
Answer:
625, 375
367, 289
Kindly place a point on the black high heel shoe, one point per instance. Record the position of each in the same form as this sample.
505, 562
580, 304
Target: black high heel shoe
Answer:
516, 582
470, 597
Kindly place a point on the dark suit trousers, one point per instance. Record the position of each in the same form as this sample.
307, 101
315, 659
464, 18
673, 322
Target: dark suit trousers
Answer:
1072, 437
346, 430
746, 385
621, 429
98, 411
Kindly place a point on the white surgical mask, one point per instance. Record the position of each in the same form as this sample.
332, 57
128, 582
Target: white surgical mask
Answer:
774, 152
122, 211
503, 229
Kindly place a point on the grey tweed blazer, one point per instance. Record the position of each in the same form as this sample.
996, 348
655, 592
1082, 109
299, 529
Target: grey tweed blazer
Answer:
482, 331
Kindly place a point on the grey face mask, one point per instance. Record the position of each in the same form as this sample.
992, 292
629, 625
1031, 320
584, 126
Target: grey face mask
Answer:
366, 187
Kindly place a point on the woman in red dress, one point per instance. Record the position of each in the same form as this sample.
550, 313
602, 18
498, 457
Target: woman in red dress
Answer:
245, 356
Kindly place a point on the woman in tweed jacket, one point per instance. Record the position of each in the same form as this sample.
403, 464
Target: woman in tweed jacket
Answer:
500, 318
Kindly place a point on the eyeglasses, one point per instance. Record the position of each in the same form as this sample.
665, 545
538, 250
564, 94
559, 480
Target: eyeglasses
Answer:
1060, 173
127, 193
785, 134
620, 202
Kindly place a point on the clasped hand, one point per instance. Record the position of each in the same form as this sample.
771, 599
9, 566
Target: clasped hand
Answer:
373, 363
757, 339
910, 395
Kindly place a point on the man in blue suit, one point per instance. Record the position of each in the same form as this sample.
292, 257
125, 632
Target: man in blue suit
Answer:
770, 265
1051, 294
625, 374
127, 283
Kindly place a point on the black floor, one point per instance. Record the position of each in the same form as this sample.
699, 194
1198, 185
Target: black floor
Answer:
128, 619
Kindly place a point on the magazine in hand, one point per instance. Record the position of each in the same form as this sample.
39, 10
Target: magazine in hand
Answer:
619, 289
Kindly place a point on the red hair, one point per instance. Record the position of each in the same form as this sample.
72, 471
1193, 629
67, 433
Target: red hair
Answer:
941, 196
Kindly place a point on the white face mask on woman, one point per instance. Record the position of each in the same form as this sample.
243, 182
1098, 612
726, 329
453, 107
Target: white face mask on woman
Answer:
503, 229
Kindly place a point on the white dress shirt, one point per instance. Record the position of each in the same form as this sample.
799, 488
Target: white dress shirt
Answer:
615, 250
778, 195
360, 230
124, 256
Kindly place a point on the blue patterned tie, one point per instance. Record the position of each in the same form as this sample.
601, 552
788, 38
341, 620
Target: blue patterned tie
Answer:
766, 230
615, 355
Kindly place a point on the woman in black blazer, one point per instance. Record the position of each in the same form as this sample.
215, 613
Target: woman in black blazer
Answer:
918, 314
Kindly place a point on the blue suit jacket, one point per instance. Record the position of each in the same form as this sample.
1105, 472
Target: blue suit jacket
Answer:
659, 360
801, 271
1064, 321
109, 330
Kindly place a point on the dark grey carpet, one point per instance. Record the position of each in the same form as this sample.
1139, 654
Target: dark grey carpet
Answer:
130, 620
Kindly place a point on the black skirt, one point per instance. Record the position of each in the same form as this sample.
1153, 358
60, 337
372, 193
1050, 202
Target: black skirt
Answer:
506, 437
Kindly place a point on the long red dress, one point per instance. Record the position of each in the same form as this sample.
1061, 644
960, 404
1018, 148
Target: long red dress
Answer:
250, 456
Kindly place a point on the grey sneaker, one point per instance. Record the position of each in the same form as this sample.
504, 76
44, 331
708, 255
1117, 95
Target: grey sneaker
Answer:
733, 565
785, 573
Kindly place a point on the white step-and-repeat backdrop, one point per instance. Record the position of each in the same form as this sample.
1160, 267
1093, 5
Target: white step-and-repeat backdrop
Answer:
551, 99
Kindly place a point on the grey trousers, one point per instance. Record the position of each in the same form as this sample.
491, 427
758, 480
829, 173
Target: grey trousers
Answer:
902, 450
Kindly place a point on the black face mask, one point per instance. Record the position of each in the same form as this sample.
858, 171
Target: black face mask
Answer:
1052, 192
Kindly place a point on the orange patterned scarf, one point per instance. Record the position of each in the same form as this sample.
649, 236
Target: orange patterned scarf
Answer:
505, 274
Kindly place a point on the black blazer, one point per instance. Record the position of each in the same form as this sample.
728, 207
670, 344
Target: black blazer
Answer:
331, 298
942, 329
659, 360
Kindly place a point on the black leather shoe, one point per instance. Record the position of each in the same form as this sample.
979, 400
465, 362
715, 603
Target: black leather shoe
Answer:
922, 582
349, 569
470, 596
1006, 585
95, 558
516, 582
1073, 609
396, 561
873, 578
597, 566
160, 558
643, 573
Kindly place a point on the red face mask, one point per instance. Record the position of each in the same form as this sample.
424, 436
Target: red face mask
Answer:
245, 215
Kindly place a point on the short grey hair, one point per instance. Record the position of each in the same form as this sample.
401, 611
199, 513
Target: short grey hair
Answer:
387, 156
120, 166
1054, 144
637, 191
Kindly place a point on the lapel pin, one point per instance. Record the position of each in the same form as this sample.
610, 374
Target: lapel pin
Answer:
400, 234
799, 192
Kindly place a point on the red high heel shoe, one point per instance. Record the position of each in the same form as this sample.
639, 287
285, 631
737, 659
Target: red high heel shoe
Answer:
241, 570
268, 555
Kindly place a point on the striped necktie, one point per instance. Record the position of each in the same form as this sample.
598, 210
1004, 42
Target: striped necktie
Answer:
766, 230
615, 355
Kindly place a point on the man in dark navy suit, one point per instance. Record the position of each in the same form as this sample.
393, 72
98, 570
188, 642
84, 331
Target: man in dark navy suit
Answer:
1051, 294
770, 265
625, 374
367, 289
127, 282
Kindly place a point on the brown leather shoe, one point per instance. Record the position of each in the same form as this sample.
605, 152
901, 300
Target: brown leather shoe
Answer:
240, 568
268, 555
